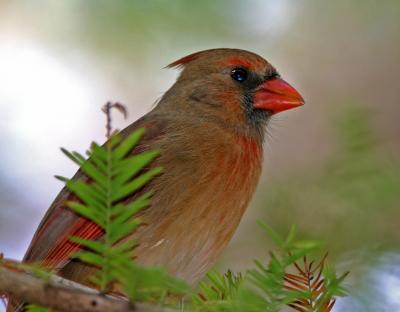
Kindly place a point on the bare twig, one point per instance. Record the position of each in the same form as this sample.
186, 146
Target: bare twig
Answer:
107, 110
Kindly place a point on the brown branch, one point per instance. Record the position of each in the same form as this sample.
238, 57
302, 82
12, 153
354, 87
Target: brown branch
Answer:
55, 295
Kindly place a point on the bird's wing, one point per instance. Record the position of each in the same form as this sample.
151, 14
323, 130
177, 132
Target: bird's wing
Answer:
50, 245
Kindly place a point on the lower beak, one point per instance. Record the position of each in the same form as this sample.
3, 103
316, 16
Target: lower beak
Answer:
277, 96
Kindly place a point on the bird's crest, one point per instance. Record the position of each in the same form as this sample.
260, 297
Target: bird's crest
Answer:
184, 60
227, 57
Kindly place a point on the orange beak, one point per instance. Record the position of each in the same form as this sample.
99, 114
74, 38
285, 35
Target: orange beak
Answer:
277, 96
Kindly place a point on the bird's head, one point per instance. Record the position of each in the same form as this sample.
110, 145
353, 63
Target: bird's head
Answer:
234, 85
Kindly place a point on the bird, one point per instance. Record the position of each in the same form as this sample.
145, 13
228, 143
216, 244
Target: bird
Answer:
209, 128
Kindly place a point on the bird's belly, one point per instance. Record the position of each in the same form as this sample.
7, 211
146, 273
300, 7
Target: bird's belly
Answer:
187, 236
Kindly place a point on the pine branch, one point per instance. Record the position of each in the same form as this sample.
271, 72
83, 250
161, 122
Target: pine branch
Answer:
270, 287
112, 178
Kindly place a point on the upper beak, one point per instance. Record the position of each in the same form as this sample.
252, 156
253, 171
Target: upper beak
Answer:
277, 96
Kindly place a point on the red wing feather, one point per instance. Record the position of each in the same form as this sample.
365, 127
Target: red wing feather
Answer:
64, 247
51, 245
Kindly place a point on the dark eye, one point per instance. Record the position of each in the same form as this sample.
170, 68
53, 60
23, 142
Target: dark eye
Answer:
239, 74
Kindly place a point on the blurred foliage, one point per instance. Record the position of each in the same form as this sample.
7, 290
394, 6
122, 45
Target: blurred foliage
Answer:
350, 203
130, 29
133, 28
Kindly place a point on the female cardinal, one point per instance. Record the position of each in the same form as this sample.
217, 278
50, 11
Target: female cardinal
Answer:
209, 127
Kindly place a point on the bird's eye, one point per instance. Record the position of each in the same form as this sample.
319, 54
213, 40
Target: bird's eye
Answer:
239, 74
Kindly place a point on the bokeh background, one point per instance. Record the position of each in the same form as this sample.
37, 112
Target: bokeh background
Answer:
331, 167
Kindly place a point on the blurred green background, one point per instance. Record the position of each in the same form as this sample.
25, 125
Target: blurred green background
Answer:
331, 167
